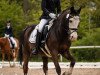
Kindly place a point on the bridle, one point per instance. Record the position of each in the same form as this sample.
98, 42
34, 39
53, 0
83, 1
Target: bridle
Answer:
70, 29
73, 30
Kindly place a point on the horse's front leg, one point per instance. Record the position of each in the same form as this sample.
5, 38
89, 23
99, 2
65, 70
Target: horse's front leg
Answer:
8, 54
56, 63
45, 65
68, 56
14, 57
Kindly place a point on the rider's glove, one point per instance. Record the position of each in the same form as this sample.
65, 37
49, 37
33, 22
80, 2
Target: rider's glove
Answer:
6, 35
52, 15
58, 15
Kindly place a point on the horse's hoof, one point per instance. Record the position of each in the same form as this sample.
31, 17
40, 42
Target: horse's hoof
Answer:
66, 73
12, 66
21, 66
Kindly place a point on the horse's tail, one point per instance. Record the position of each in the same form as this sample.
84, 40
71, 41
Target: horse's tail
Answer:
22, 42
21, 39
20, 54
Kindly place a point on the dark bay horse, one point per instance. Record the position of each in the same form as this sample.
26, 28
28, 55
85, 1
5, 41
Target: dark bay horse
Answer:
6, 49
60, 36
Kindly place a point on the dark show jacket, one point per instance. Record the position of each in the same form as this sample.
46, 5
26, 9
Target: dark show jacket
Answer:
50, 6
8, 31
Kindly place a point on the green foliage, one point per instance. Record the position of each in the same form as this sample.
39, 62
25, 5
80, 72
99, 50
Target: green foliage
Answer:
92, 38
86, 55
11, 12
96, 18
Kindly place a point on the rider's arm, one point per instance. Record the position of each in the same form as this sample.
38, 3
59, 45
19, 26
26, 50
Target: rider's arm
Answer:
5, 30
58, 5
43, 6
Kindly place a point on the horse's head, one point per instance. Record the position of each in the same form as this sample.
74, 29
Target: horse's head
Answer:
72, 20
2, 41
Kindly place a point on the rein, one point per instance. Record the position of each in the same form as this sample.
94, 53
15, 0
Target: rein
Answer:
69, 30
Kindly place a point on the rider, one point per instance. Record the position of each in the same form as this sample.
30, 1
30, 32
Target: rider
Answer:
51, 9
9, 33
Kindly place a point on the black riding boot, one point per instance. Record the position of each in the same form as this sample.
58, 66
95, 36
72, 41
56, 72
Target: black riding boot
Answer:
12, 43
44, 36
13, 46
38, 43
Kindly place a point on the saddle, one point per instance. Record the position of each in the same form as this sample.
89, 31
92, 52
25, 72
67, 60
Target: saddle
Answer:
42, 37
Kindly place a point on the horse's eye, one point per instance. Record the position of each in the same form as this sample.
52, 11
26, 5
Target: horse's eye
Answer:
70, 21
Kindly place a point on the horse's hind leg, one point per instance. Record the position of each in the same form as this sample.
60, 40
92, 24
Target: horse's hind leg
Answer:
68, 56
26, 56
45, 65
3, 56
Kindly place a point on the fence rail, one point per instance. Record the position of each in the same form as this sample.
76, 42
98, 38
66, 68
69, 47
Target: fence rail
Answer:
80, 47
37, 65
77, 47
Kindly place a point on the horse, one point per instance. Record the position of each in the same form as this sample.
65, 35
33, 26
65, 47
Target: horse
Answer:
59, 39
7, 50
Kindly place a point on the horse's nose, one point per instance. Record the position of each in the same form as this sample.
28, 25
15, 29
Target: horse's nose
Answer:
73, 36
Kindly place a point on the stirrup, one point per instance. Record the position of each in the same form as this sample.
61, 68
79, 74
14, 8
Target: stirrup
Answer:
34, 52
43, 43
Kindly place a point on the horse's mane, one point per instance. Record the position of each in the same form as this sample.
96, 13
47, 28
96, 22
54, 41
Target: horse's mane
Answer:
58, 24
59, 19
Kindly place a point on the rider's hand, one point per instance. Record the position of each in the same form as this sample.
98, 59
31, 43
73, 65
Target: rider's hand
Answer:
52, 15
6, 35
58, 15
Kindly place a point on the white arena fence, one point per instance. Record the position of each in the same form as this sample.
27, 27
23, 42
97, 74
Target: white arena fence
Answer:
38, 65
81, 47
85, 47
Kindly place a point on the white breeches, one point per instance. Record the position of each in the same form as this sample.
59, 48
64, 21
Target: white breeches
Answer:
13, 41
39, 27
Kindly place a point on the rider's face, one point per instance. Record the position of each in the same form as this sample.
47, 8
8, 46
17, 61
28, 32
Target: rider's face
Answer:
8, 25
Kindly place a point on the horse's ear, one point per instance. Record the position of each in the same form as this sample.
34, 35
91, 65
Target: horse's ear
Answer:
79, 9
72, 9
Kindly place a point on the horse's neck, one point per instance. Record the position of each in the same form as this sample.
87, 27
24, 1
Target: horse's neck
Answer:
58, 32
61, 26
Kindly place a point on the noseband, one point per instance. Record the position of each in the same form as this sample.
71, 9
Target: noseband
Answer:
69, 31
73, 30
